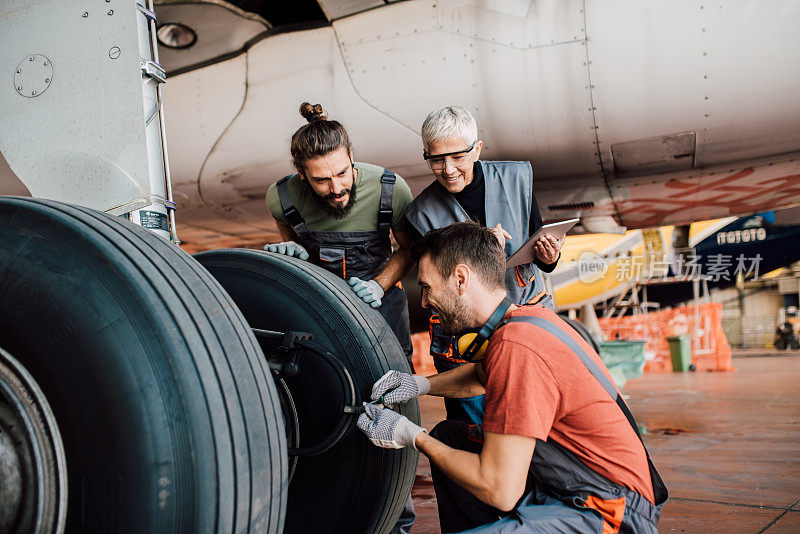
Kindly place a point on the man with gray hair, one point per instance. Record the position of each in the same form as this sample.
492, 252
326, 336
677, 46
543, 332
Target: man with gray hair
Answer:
497, 195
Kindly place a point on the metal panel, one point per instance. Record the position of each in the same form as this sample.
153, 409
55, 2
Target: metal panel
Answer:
220, 27
654, 155
516, 8
335, 9
205, 103
253, 151
57, 145
524, 78
726, 70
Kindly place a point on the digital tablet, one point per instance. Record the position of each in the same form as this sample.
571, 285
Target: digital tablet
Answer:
526, 253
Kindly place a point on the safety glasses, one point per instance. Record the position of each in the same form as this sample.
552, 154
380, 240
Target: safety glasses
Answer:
459, 158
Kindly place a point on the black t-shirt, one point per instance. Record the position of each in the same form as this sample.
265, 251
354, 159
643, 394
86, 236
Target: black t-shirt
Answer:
473, 199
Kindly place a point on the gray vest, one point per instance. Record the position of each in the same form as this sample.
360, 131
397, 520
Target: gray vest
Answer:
509, 192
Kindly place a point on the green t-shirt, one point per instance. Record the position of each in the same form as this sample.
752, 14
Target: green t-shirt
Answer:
364, 215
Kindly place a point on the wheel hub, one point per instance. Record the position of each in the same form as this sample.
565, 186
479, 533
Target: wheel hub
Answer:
33, 495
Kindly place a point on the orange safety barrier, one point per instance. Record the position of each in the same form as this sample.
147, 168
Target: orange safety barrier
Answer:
710, 348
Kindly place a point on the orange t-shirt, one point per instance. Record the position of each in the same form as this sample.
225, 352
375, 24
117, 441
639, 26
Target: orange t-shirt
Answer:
537, 387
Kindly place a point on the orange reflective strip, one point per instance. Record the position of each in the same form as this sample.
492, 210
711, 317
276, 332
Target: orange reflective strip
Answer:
520, 281
613, 511
537, 298
344, 268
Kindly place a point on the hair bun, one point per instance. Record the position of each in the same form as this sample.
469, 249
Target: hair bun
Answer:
312, 112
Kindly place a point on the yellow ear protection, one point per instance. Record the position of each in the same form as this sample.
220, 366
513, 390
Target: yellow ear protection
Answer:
472, 346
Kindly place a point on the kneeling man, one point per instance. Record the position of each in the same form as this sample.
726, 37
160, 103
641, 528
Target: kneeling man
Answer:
558, 450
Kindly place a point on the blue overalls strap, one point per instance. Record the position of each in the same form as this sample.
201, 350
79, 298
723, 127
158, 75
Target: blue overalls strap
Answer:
293, 216
659, 488
385, 209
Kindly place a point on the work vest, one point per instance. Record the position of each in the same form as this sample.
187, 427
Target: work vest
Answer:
508, 194
559, 473
346, 254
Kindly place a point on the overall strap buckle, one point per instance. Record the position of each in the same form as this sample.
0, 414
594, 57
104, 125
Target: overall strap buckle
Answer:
385, 210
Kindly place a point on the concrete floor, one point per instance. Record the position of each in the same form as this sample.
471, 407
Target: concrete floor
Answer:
726, 444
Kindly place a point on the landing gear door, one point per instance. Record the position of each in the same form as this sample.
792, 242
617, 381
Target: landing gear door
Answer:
71, 102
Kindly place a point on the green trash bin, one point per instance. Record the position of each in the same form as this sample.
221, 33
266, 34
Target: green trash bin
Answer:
680, 349
624, 359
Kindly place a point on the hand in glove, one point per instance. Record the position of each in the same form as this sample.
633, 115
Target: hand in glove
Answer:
369, 291
288, 248
386, 428
396, 387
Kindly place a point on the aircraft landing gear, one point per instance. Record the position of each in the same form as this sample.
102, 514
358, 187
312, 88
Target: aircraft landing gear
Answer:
169, 418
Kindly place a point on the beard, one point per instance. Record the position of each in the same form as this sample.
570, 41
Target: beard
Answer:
336, 211
454, 315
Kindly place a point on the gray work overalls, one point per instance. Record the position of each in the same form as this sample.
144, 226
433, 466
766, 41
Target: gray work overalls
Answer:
360, 254
563, 494
508, 195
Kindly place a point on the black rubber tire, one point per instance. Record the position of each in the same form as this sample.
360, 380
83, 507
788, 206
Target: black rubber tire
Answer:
355, 487
578, 326
169, 416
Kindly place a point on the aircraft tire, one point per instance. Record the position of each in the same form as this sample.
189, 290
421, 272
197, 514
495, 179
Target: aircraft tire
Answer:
354, 487
169, 417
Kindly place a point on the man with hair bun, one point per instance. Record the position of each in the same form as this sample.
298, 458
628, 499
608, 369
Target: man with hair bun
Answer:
338, 214
495, 194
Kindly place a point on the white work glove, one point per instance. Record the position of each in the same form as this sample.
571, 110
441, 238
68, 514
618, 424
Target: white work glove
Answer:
369, 291
396, 387
288, 248
388, 429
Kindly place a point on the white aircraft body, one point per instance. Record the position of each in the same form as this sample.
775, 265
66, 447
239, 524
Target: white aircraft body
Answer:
634, 114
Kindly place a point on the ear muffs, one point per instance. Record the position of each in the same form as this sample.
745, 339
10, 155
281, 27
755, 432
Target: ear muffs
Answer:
472, 346
466, 340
